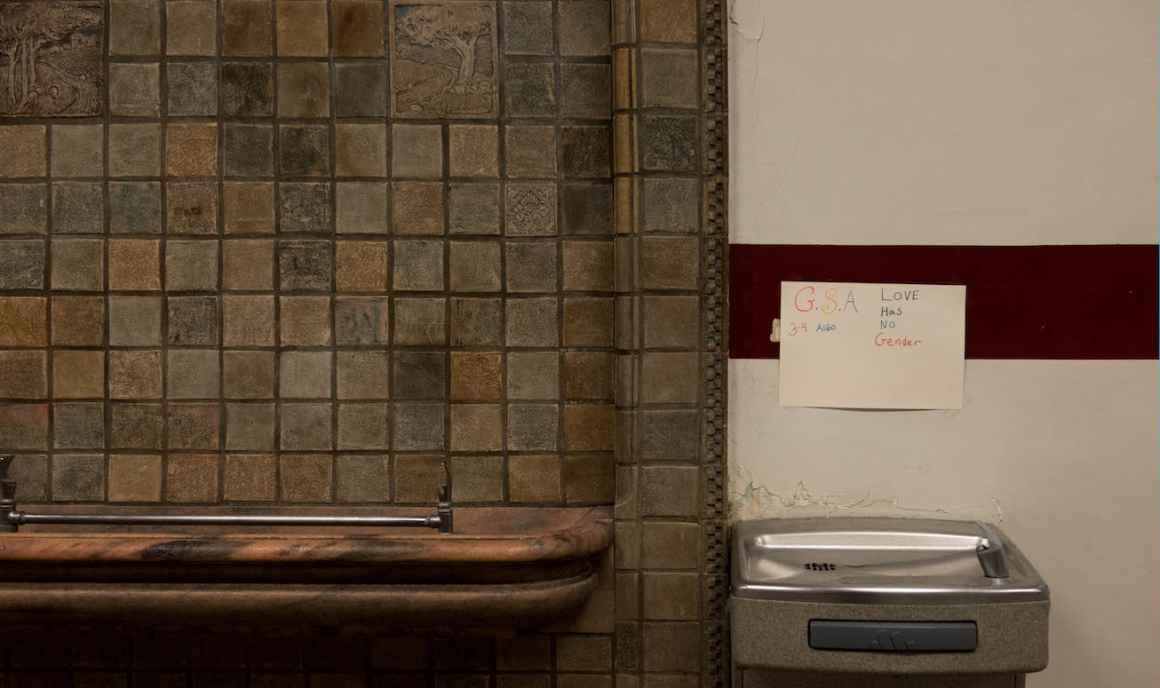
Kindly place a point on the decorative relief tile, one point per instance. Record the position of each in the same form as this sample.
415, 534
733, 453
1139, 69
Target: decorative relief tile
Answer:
51, 55
444, 58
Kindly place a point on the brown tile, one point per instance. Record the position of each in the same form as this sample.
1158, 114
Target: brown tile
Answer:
474, 150
136, 426
302, 28
30, 473
135, 89
26, 150
135, 27
134, 264
584, 27
535, 478
250, 478
306, 427
361, 90
476, 376
476, 427
248, 320
304, 87
134, 150
476, 322
417, 208
524, 151
670, 545
191, 478
78, 320
417, 151
361, 208
77, 151
669, 378
363, 426
418, 265
671, 596
248, 374
135, 374
583, 653
248, 264
247, 89
193, 426
473, 208
363, 478
669, 263
192, 374
78, 208
304, 151
475, 266
249, 207
477, 478
192, 88
671, 647
530, 89
668, 21
78, 478
586, 91
363, 375
587, 321
191, 208
420, 375
305, 265
585, 151
671, 205
533, 427
77, 264
588, 427
417, 478
671, 321
361, 320
24, 426
533, 375
588, 266
304, 207
23, 375
587, 209
304, 374
78, 425
23, 208
135, 478
531, 209
528, 29
191, 27
250, 427
360, 150
191, 265
669, 436
361, 266
304, 320
23, 321
358, 28
669, 78
532, 322
589, 478
306, 477
78, 374
588, 375
246, 28
670, 491
531, 266
419, 427
191, 150
134, 321
420, 321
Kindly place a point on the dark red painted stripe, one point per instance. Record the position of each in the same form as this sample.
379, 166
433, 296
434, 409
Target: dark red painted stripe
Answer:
1084, 302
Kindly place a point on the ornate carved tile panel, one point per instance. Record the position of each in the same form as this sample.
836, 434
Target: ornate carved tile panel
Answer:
50, 59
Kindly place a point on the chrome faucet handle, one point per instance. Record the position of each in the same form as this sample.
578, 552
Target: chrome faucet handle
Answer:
444, 510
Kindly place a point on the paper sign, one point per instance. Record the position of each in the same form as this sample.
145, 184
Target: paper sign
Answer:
886, 346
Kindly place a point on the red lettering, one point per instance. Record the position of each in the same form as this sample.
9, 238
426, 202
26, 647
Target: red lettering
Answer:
797, 300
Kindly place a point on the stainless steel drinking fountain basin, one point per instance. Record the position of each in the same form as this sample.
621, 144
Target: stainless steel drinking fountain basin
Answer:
884, 595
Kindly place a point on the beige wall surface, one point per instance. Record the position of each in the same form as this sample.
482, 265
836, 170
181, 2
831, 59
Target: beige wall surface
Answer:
944, 122
936, 122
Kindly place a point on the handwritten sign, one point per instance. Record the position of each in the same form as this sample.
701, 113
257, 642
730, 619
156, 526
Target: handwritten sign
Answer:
886, 346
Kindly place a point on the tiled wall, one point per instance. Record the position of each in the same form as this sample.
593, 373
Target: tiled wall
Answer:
305, 251
318, 276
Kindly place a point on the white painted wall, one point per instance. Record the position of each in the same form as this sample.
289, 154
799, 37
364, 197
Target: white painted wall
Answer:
984, 122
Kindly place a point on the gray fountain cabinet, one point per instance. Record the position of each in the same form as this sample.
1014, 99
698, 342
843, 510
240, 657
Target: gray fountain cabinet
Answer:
818, 599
